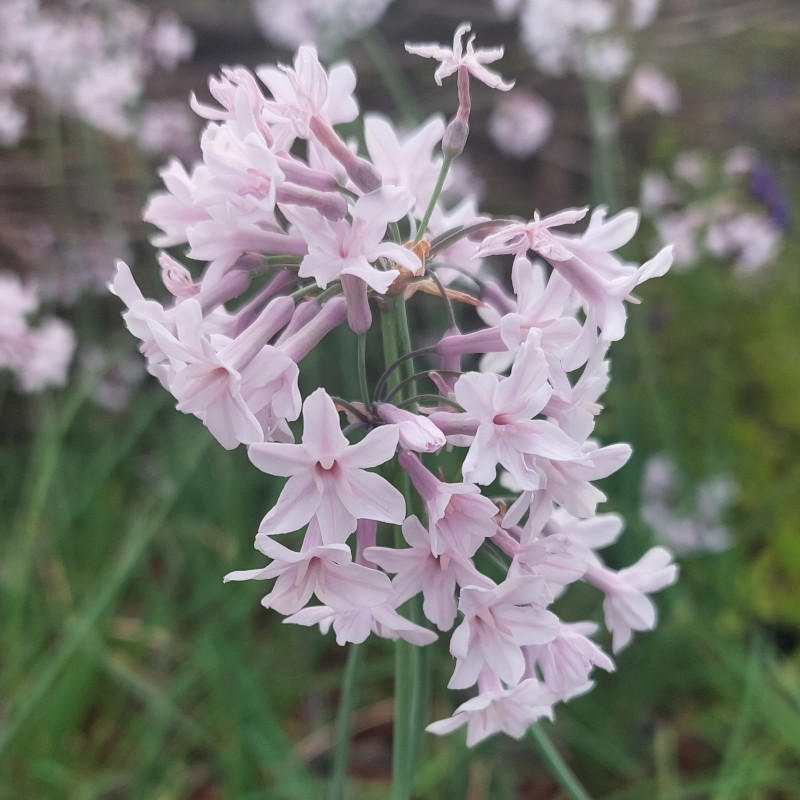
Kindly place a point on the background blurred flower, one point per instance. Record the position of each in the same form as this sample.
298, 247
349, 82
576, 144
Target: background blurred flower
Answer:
521, 123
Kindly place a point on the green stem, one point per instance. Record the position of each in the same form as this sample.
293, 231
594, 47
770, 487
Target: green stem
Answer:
362, 369
300, 293
604, 160
437, 190
344, 722
425, 373
404, 340
391, 350
396, 341
452, 325
348, 406
411, 684
402, 734
383, 380
559, 768
429, 398
448, 238
392, 77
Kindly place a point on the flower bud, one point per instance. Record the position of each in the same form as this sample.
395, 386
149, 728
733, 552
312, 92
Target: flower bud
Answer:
455, 137
417, 433
359, 316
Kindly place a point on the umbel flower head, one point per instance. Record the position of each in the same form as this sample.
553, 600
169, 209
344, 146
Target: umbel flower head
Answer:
280, 251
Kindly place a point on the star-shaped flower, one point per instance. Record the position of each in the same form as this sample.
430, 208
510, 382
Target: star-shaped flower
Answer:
328, 478
473, 60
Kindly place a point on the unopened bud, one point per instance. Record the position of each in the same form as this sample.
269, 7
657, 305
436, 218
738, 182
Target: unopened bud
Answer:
455, 137
416, 432
359, 316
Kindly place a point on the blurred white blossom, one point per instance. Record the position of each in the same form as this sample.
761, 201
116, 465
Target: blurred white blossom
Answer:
521, 123
650, 89
684, 521
326, 23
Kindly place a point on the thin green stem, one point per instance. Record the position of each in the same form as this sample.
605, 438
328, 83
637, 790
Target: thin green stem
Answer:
404, 338
604, 160
452, 325
362, 369
389, 375
344, 722
392, 77
448, 238
331, 291
429, 398
284, 262
402, 747
300, 293
437, 190
425, 373
350, 408
391, 354
559, 768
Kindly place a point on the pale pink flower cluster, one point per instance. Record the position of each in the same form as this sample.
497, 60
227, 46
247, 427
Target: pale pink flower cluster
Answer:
293, 246
327, 23
649, 89
687, 525
521, 123
587, 37
89, 59
37, 354
707, 210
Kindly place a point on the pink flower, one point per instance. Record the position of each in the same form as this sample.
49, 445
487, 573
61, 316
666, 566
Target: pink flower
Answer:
341, 248
460, 518
355, 623
567, 661
325, 570
507, 434
547, 309
327, 476
519, 237
551, 557
498, 710
650, 88
601, 280
226, 383
50, 350
138, 316
309, 102
575, 406
405, 161
627, 607
170, 41
473, 60
497, 623
307, 90
569, 481
419, 570
175, 211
